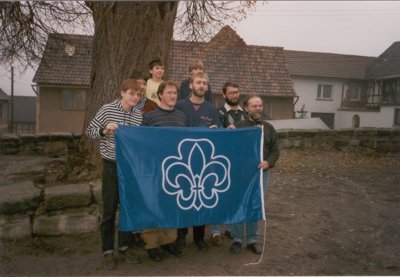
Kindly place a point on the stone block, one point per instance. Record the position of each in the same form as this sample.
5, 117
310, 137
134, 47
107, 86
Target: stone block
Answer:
345, 132
28, 138
365, 132
19, 197
297, 143
284, 143
67, 196
60, 136
67, 223
56, 148
15, 227
96, 191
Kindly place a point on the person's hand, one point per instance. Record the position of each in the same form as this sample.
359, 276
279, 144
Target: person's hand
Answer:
263, 165
110, 129
231, 126
213, 126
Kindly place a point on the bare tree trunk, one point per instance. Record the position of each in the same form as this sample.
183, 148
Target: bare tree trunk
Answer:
128, 35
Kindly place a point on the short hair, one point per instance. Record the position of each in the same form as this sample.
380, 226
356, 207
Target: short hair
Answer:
130, 84
137, 75
165, 84
199, 75
155, 62
196, 64
228, 84
248, 98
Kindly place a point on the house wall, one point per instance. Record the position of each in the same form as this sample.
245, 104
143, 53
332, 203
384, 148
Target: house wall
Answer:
3, 116
51, 116
380, 119
307, 88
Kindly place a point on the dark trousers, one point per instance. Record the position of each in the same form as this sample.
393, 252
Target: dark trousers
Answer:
198, 232
110, 205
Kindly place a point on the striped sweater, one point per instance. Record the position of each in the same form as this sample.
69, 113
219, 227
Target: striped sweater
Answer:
111, 113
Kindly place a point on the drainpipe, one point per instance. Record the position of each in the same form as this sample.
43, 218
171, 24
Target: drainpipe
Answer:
11, 122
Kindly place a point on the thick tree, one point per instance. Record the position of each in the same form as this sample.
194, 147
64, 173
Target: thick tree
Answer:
127, 35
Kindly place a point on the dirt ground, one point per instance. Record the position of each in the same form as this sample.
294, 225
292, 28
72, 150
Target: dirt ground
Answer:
329, 213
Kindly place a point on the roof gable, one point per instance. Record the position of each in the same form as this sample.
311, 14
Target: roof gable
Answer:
387, 65
256, 69
3, 95
331, 65
66, 60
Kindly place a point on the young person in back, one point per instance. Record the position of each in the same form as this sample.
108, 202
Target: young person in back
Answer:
156, 69
185, 91
144, 105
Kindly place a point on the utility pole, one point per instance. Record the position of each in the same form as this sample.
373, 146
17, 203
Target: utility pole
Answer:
11, 122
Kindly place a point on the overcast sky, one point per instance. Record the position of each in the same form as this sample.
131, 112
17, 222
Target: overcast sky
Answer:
364, 28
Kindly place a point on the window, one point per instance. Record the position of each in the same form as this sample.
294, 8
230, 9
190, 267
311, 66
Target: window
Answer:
324, 92
354, 93
397, 117
390, 92
74, 99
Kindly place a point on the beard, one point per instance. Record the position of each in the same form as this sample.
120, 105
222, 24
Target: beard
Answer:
256, 116
198, 93
232, 102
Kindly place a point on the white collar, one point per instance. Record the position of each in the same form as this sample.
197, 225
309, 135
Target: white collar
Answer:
228, 108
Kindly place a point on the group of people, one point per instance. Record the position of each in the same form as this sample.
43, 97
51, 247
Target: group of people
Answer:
156, 102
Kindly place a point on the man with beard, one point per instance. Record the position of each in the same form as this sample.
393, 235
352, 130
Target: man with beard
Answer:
253, 105
230, 113
199, 113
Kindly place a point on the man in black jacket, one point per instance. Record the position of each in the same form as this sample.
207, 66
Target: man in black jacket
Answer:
253, 105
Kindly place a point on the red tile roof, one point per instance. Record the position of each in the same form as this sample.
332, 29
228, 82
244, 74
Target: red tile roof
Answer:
256, 69
57, 67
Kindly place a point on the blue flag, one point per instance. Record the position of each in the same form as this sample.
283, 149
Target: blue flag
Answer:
172, 177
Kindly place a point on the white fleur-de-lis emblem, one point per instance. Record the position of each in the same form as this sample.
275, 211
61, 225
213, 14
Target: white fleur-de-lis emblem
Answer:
196, 176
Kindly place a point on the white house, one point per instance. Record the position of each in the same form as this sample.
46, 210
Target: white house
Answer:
377, 104
319, 80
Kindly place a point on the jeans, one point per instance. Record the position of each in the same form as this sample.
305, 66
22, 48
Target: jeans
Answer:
237, 230
216, 229
110, 205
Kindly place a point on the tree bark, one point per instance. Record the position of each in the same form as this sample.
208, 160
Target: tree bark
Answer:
128, 35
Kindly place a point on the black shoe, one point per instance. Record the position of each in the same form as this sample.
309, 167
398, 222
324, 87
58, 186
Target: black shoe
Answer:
255, 247
236, 247
154, 254
171, 248
201, 245
137, 241
180, 242
228, 234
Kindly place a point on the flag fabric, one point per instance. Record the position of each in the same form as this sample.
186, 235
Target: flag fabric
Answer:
172, 177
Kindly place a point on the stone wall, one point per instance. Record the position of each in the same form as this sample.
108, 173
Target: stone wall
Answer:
370, 139
364, 139
28, 209
48, 144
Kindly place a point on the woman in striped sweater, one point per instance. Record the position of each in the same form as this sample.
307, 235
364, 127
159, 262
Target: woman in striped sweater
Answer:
103, 126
